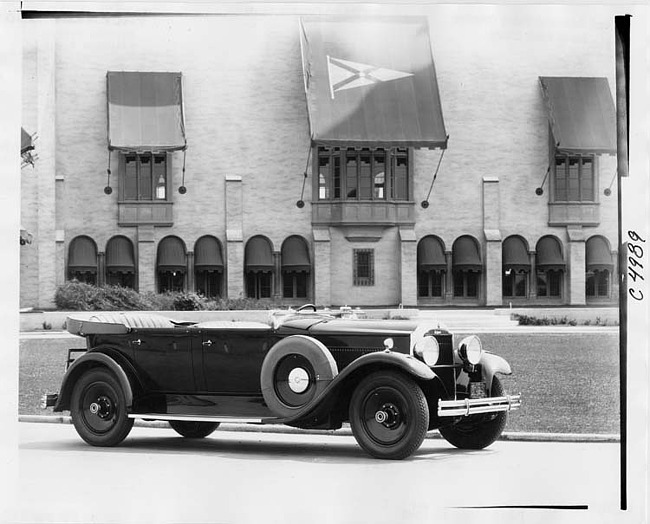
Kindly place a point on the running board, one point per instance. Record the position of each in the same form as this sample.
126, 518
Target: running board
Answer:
199, 418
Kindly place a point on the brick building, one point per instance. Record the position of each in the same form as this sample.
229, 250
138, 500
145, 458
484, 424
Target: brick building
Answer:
208, 124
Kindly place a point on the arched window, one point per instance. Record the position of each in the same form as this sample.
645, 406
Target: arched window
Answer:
171, 265
296, 268
550, 266
432, 266
82, 260
259, 267
208, 267
120, 262
516, 266
467, 267
599, 267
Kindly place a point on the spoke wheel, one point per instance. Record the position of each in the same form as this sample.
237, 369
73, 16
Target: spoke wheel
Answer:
193, 429
477, 431
98, 409
389, 415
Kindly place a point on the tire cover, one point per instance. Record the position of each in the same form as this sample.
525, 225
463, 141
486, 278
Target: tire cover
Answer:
304, 348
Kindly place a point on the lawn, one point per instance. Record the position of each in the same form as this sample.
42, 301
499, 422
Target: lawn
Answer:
569, 382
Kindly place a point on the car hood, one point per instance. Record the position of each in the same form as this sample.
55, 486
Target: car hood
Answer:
359, 327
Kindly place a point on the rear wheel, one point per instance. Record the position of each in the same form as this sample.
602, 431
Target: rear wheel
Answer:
477, 431
389, 415
192, 429
98, 409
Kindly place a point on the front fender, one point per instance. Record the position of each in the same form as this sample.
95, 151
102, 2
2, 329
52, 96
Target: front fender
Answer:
385, 359
87, 361
491, 365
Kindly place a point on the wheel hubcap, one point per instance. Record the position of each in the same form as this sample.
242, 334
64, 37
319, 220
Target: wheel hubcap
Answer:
388, 416
384, 415
298, 380
102, 407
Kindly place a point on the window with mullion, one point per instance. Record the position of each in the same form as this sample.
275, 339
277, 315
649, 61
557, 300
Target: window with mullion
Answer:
294, 284
258, 284
597, 284
362, 174
144, 177
400, 178
430, 283
465, 284
549, 283
514, 283
574, 178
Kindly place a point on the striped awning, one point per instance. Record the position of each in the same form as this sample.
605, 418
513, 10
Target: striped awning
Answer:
82, 255
207, 254
599, 256
581, 114
119, 255
258, 256
145, 111
549, 254
465, 255
515, 255
371, 82
172, 255
431, 254
295, 255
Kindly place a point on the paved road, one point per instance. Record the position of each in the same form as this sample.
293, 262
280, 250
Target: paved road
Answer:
155, 476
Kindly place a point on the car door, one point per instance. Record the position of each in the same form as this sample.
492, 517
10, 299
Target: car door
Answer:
232, 360
164, 358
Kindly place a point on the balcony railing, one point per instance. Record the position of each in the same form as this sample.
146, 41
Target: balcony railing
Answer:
145, 213
573, 213
363, 213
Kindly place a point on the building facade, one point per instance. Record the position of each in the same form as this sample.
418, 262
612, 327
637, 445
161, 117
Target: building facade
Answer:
208, 154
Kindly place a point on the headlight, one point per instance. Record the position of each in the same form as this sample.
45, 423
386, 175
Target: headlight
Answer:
470, 350
427, 350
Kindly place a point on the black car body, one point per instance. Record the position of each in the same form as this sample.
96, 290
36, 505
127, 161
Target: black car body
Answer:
392, 380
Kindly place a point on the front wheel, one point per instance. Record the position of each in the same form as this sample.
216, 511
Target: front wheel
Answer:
477, 431
98, 409
191, 429
389, 415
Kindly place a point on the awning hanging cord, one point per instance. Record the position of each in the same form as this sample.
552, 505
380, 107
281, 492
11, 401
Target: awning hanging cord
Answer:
425, 203
108, 190
301, 202
608, 190
540, 191
182, 189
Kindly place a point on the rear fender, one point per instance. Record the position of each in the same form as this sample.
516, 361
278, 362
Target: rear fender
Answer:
87, 361
419, 371
493, 364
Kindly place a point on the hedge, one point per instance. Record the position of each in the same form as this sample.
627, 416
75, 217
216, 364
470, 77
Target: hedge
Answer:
79, 296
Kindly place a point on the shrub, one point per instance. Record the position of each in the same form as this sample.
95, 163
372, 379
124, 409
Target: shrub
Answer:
188, 302
78, 296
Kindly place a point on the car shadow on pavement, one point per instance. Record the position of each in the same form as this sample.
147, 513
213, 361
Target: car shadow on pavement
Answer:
328, 449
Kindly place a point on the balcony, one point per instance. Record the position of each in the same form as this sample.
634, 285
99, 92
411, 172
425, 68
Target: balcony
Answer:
145, 213
360, 213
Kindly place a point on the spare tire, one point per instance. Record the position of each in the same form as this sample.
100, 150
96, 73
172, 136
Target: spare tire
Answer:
295, 371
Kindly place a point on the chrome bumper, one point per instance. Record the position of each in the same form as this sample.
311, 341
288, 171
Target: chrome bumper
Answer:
472, 406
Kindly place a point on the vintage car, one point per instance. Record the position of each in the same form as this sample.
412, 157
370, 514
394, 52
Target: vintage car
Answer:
392, 380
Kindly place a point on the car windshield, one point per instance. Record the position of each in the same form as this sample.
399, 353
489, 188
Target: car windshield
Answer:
280, 317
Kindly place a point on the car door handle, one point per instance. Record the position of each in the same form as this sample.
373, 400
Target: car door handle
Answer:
207, 343
136, 342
